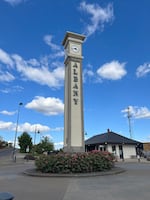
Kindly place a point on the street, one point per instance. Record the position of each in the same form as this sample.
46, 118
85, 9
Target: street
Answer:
133, 184
5, 152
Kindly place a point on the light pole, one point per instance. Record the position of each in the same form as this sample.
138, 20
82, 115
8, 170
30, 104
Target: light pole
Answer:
129, 119
18, 113
36, 131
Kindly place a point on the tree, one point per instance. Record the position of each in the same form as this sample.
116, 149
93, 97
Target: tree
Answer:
44, 146
3, 143
25, 141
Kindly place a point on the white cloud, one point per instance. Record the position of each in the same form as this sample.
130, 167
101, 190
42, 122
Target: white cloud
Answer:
57, 129
41, 75
6, 125
12, 89
6, 77
58, 145
27, 127
99, 16
58, 52
112, 71
48, 41
5, 112
5, 58
88, 73
143, 70
14, 2
33, 62
137, 112
6, 90
45, 71
47, 106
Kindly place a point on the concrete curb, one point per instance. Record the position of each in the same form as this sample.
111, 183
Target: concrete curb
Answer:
113, 171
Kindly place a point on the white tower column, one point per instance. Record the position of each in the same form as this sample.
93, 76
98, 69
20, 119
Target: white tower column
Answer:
73, 114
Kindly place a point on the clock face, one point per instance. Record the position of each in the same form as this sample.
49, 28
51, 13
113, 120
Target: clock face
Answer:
75, 48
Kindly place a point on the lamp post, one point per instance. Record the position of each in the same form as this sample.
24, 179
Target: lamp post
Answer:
129, 119
18, 113
36, 131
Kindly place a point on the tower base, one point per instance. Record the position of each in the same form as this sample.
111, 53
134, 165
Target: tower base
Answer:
79, 149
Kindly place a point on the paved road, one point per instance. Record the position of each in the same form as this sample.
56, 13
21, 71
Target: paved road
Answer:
30, 188
5, 152
134, 184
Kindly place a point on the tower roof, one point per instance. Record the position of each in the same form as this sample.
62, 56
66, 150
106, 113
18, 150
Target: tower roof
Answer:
72, 35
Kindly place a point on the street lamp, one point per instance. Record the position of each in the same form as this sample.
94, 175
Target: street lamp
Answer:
36, 131
18, 112
129, 119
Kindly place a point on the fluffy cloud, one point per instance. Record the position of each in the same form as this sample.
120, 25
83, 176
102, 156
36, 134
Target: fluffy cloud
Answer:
57, 50
142, 70
47, 106
5, 58
48, 41
6, 63
12, 89
58, 145
32, 127
6, 76
41, 75
137, 112
99, 16
5, 112
6, 125
112, 71
14, 2
88, 73
57, 129
45, 71
27, 127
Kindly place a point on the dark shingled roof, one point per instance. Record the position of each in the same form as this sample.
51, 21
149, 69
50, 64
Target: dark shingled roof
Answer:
110, 138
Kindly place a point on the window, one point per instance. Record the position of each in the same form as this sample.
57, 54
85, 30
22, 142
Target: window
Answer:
114, 149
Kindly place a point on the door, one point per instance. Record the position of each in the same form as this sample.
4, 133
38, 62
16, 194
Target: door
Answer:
121, 152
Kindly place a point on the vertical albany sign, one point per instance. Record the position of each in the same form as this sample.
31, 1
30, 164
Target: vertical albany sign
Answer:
75, 87
73, 112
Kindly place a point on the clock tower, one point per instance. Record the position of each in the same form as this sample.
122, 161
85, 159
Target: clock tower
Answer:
73, 112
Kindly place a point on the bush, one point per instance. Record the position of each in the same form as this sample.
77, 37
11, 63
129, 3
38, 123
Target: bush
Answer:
29, 157
94, 161
44, 146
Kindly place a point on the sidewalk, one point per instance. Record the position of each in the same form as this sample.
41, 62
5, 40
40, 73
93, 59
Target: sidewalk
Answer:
8, 160
134, 160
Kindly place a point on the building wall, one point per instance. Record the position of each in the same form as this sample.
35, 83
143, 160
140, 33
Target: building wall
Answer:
128, 151
146, 146
121, 151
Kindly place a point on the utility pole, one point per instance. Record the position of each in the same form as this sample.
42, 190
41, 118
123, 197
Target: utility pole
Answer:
36, 131
14, 150
129, 120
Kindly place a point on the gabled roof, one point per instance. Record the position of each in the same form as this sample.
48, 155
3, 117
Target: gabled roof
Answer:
110, 138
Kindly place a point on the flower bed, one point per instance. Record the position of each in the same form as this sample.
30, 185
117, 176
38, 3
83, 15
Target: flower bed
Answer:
93, 161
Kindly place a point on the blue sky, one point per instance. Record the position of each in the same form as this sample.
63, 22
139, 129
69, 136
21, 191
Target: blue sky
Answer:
116, 66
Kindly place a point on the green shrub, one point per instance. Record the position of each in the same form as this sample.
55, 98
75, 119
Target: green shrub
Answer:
29, 157
93, 161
